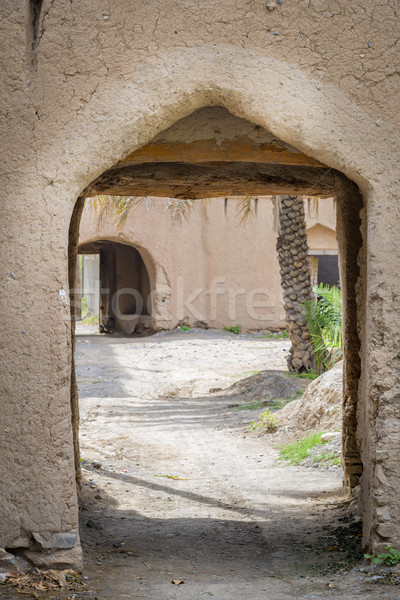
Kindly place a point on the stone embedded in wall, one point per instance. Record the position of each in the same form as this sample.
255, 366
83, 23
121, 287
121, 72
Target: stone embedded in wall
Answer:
58, 540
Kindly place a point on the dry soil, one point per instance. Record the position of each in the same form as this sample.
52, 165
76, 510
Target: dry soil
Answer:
176, 487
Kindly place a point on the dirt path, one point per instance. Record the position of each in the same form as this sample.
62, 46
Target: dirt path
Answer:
237, 524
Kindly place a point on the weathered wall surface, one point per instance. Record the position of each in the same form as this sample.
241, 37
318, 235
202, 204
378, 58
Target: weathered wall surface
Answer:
84, 86
220, 272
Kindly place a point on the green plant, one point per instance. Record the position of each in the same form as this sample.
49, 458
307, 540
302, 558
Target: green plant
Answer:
266, 420
324, 321
391, 557
91, 320
184, 328
84, 307
298, 451
311, 374
234, 329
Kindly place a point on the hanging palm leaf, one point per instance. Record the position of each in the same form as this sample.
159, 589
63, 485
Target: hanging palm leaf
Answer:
245, 209
179, 209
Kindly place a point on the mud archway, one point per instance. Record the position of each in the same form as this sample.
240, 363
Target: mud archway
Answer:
73, 157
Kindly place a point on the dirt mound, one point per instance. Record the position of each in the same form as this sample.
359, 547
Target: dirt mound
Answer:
264, 386
319, 408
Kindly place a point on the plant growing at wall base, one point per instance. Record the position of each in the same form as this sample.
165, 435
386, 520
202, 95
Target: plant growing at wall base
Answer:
389, 558
323, 315
234, 329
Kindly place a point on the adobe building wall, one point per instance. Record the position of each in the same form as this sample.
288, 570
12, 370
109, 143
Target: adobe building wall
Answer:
214, 271
83, 86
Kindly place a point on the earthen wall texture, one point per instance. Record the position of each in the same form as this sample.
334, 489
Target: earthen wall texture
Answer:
84, 86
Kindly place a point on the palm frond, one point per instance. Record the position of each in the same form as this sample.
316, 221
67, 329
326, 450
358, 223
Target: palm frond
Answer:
324, 321
276, 205
312, 205
179, 208
115, 207
245, 209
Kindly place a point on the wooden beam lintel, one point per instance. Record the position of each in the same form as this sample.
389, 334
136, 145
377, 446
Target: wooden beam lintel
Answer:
208, 151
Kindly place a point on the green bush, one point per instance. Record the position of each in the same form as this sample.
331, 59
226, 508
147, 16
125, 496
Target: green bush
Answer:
324, 321
266, 421
389, 558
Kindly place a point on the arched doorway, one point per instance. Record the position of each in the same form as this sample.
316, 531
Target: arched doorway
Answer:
125, 290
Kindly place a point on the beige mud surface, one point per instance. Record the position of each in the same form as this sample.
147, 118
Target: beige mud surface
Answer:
237, 524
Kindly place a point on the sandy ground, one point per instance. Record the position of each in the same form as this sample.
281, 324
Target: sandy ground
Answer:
235, 523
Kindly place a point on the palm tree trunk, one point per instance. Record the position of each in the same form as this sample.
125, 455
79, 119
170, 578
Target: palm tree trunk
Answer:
292, 248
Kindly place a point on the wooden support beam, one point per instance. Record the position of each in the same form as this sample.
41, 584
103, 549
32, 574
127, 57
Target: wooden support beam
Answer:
208, 151
201, 181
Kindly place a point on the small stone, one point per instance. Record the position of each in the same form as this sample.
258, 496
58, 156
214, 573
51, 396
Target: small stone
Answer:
383, 514
117, 544
56, 559
330, 435
96, 464
91, 524
380, 475
382, 455
276, 32
7, 561
385, 530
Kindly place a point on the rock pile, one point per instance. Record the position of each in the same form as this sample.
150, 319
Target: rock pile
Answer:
320, 408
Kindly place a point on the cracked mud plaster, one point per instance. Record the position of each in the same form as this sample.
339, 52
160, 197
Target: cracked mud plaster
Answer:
103, 87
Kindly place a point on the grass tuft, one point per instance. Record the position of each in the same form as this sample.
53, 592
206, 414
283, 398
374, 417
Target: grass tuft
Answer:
234, 329
298, 451
311, 374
